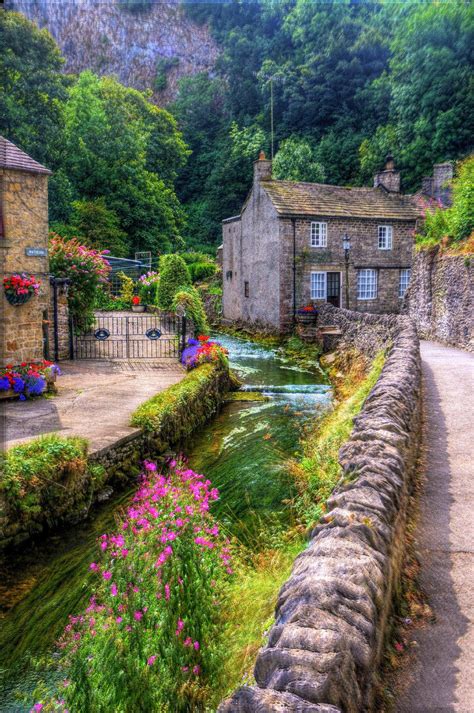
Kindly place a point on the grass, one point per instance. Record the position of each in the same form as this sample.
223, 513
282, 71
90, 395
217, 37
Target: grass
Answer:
43, 466
250, 607
318, 472
176, 412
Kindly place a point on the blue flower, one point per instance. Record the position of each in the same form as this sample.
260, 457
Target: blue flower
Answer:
18, 385
22, 397
35, 385
193, 343
4, 384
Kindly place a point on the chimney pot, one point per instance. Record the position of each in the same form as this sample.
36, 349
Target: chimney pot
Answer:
261, 156
262, 168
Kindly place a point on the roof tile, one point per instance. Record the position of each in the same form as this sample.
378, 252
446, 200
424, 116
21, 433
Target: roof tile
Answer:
319, 199
13, 157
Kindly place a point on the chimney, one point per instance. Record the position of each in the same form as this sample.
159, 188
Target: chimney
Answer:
262, 168
442, 176
389, 178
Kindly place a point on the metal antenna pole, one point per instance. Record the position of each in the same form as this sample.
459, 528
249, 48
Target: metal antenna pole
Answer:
271, 110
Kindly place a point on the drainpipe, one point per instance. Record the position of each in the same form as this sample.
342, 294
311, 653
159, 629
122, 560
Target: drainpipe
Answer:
293, 222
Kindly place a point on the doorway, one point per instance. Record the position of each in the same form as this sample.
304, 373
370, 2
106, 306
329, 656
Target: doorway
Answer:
333, 294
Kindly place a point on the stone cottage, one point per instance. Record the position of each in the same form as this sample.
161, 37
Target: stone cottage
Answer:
299, 243
27, 332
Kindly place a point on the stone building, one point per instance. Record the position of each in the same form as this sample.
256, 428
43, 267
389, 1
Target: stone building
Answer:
285, 249
24, 249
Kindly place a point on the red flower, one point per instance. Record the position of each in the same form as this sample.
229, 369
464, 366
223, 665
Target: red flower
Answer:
203, 338
135, 300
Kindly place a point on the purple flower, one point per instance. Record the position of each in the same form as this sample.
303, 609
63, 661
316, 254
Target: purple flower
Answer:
4, 384
18, 385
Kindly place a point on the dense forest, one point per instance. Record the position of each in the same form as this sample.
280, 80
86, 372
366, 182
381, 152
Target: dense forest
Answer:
350, 82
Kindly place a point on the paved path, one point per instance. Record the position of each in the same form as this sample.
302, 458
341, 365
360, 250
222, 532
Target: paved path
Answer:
442, 680
95, 400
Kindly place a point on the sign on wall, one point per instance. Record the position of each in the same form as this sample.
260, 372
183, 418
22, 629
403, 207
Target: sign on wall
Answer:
36, 252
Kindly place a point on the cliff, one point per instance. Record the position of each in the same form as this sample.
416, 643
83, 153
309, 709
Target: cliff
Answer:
149, 49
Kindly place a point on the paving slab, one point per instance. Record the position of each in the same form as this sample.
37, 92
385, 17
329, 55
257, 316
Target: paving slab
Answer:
442, 680
95, 400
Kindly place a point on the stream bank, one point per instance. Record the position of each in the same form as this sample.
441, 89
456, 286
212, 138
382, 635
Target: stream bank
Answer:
244, 451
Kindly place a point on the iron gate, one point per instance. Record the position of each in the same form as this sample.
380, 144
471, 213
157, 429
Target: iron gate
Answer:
138, 336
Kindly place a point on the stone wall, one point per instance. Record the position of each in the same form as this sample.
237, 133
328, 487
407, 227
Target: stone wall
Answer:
440, 297
62, 327
24, 207
332, 614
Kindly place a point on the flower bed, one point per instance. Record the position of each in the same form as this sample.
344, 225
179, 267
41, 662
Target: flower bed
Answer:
28, 379
201, 351
152, 631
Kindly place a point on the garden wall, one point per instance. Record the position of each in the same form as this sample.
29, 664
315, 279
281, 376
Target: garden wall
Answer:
440, 298
31, 503
332, 614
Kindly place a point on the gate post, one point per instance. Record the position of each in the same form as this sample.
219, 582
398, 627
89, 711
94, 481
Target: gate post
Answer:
71, 338
183, 332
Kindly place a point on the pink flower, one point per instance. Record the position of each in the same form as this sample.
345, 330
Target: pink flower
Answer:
196, 645
107, 575
149, 465
197, 670
119, 620
180, 625
151, 660
93, 567
188, 641
113, 590
138, 615
167, 592
37, 707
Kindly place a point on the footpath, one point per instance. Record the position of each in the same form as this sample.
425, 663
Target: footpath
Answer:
442, 679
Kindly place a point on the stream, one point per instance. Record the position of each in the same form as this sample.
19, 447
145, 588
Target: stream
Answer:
243, 451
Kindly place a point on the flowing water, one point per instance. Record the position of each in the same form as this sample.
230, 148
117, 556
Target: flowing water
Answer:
243, 451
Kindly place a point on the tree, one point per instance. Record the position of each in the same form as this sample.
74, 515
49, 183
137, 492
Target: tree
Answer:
174, 274
32, 89
295, 161
98, 226
121, 147
432, 85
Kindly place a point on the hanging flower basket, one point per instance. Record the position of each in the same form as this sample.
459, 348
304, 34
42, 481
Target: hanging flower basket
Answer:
20, 288
18, 299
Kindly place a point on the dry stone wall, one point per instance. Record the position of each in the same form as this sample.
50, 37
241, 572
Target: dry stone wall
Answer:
331, 616
440, 298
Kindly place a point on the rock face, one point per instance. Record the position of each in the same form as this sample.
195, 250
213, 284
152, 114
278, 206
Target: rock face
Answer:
332, 613
440, 298
134, 46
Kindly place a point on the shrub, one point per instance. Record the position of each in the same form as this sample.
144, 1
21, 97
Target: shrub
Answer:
191, 257
189, 299
85, 268
148, 286
455, 224
201, 270
151, 637
35, 474
127, 289
173, 275
107, 302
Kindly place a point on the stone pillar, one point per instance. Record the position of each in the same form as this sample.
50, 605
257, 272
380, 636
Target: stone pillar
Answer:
24, 213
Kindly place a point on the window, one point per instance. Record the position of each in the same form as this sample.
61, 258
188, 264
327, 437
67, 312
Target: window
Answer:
385, 237
367, 284
404, 280
318, 285
246, 289
319, 235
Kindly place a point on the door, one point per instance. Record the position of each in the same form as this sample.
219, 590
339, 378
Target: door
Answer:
334, 288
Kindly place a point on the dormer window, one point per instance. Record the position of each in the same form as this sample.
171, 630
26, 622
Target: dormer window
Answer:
385, 237
319, 235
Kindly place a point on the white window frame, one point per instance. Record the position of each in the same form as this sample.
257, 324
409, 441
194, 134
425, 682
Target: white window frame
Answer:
318, 234
385, 237
367, 284
318, 286
404, 281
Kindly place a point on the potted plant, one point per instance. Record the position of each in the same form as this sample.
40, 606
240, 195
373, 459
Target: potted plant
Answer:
20, 288
307, 314
136, 304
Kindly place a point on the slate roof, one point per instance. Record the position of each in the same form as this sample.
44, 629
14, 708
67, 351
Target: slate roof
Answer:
13, 157
314, 199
